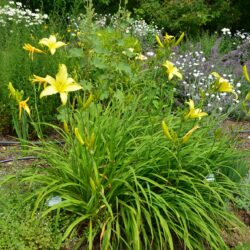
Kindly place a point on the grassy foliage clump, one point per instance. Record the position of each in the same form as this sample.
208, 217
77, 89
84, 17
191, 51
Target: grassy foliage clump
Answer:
130, 187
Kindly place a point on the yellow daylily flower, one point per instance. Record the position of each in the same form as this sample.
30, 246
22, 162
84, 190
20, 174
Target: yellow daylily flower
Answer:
168, 38
172, 70
222, 85
186, 137
51, 43
246, 73
61, 84
32, 50
194, 113
166, 131
40, 80
24, 105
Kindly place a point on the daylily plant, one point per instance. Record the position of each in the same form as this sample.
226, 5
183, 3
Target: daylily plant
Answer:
172, 70
51, 43
62, 84
193, 112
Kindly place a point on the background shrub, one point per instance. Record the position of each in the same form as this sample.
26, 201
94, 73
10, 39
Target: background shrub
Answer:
172, 15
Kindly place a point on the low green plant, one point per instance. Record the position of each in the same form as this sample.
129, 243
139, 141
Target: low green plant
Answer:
17, 230
242, 246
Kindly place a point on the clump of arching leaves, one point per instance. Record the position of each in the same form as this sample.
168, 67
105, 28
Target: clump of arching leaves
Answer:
134, 171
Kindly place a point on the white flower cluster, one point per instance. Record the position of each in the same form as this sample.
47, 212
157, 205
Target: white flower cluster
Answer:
198, 81
16, 13
226, 31
242, 35
140, 28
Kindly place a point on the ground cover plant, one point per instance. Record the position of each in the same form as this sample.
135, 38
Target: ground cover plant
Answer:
17, 230
140, 161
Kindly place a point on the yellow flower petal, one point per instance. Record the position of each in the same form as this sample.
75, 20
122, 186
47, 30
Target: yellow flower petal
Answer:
73, 87
49, 90
190, 103
225, 86
179, 75
62, 74
64, 97
60, 44
53, 51
51, 80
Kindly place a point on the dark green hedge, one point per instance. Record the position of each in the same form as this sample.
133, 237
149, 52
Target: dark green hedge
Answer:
174, 15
